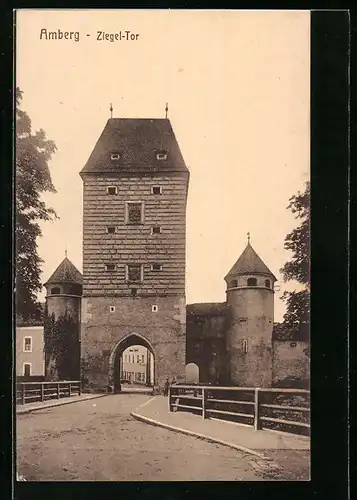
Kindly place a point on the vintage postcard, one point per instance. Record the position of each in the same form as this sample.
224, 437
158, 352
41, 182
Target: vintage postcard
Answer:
162, 245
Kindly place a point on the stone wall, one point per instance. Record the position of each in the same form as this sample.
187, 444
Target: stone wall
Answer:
291, 362
104, 328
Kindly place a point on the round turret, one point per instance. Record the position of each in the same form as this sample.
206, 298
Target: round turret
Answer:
250, 296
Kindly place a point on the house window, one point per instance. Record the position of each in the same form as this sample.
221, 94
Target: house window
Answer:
110, 267
292, 344
245, 346
252, 281
134, 273
234, 283
142, 359
161, 155
28, 344
55, 290
156, 190
156, 267
134, 213
156, 230
112, 309
134, 292
27, 369
114, 156
112, 190
111, 229
267, 283
137, 358
154, 308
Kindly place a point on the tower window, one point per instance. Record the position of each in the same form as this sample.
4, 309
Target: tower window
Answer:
134, 212
110, 229
115, 156
267, 283
234, 283
110, 267
55, 290
156, 190
161, 155
27, 369
112, 309
156, 230
252, 282
154, 308
134, 273
28, 344
112, 190
156, 267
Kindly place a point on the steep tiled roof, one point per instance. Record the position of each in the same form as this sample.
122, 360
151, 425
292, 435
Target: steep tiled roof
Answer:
249, 263
66, 272
137, 141
207, 309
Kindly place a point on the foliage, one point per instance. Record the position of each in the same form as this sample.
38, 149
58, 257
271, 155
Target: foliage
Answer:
296, 318
33, 153
61, 345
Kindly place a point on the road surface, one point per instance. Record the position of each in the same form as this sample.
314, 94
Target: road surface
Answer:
98, 440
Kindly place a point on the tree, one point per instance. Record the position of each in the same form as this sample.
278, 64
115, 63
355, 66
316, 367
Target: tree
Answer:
33, 153
297, 316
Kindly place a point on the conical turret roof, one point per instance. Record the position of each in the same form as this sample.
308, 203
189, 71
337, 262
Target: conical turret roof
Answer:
249, 263
66, 272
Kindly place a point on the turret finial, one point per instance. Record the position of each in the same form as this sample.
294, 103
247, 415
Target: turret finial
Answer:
248, 234
166, 110
65, 251
111, 110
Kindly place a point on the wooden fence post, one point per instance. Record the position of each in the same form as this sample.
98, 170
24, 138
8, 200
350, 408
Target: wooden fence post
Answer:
42, 392
79, 388
58, 390
23, 393
203, 402
69, 389
256, 410
170, 404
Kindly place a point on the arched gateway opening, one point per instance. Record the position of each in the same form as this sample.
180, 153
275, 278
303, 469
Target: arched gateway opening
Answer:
123, 359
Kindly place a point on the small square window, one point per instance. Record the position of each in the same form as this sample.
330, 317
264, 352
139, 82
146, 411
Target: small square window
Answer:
156, 267
134, 213
112, 190
110, 267
115, 156
161, 155
110, 229
134, 273
28, 344
156, 230
156, 190
154, 308
27, 369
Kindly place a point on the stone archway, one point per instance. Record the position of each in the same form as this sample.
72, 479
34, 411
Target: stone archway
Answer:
115, 354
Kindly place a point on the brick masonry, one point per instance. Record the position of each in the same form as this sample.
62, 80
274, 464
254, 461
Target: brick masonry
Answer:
110, 314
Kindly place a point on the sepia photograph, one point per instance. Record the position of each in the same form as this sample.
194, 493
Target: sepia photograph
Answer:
162, 235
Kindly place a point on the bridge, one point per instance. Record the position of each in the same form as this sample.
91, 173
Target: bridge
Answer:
102, 439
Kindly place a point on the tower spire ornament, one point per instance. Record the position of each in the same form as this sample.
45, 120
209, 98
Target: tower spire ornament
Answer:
248, 235
111, 110
65, 251
166, 110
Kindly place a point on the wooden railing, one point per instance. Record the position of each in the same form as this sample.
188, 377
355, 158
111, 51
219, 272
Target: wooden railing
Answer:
30, 392
277, 409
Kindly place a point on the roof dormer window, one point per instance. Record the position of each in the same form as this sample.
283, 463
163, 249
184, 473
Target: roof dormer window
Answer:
115, 156
161, 155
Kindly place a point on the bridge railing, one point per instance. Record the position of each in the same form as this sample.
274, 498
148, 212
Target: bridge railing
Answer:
30, 392
263, 408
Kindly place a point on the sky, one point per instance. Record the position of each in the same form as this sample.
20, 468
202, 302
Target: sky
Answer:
237, 85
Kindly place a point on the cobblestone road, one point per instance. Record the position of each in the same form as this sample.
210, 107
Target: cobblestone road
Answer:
98, 440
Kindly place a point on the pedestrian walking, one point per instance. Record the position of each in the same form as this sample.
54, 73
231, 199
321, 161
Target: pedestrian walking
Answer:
166, 387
